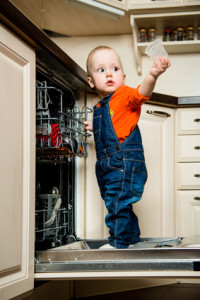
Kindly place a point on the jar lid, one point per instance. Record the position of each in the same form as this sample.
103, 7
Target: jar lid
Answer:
167, 31
152, 29
190, 28
142, 29
180, 29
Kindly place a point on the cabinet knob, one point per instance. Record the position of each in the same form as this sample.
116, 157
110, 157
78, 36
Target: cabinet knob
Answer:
197, 147
196, 120
196, 175
197, 198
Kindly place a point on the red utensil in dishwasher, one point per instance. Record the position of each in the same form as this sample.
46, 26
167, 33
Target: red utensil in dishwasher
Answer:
55, 135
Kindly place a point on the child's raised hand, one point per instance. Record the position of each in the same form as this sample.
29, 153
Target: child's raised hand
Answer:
160, 65
88, 125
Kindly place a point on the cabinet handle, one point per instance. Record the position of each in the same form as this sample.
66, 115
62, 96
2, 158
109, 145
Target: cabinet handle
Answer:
197, 198
196, 120
158, 113
196, 175
197, 147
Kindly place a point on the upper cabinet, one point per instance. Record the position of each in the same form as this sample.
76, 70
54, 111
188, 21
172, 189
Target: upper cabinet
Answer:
149, 4
140, 4
191, 2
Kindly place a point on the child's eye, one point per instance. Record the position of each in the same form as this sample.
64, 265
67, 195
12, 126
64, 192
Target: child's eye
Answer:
100, 70
114, 69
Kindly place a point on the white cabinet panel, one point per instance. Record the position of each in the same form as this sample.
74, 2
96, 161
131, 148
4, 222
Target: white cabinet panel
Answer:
188, 175
153, 3
188, 121
188, 171
191, 2
188, 148
188, 213
156, 208
17, 121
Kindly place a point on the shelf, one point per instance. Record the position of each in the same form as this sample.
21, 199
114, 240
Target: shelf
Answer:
175, 47
161, 21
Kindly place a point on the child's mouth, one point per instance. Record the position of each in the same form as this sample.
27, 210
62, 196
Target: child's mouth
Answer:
109, 82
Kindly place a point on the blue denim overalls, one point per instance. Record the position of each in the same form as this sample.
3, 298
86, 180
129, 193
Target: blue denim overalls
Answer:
121, 175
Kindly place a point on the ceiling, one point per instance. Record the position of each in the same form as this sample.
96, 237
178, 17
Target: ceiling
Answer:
63, 18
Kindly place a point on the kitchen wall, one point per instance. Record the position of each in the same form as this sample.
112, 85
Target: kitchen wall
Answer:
182, 79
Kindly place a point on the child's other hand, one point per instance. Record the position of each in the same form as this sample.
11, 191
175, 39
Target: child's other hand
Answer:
160, 65
88, 125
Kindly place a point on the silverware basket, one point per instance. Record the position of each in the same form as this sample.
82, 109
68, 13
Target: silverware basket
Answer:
50, 217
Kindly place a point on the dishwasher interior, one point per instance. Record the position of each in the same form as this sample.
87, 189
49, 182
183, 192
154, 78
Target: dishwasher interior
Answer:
60, 138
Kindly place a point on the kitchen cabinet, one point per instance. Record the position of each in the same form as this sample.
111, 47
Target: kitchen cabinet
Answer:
188, 171
149, 4
122, 4
191, 2
17, 119
156, 208
161, 21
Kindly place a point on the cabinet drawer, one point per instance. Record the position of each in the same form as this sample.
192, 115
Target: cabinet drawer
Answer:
188, 147
188, 176
188, 213
188, 121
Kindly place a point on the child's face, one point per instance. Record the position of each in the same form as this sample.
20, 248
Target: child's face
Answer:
106, 72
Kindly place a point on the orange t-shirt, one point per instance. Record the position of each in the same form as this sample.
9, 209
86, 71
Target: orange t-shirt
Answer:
125, 108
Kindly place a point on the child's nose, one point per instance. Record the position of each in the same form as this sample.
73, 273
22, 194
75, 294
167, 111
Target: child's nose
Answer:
109, 73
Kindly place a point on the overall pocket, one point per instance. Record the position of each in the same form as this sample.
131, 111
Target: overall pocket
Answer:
115, 161
138, 178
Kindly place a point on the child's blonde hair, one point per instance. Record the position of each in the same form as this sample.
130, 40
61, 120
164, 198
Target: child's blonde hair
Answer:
89, 59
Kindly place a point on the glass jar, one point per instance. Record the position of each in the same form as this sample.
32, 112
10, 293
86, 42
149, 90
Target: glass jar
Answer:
168, 35
152, 34
198, 33
180, 34
190, 33
175, 35
143, 35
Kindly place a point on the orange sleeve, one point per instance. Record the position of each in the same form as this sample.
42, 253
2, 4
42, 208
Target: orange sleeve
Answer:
136, 99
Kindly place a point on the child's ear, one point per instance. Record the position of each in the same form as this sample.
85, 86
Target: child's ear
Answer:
124, 77
90, 81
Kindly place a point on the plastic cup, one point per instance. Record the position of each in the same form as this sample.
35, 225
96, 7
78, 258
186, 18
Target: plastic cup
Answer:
156, 49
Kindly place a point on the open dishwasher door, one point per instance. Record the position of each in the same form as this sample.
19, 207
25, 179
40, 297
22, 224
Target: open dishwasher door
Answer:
151, 254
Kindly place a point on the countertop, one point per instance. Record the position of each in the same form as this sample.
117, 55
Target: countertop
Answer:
59, 65
173, 101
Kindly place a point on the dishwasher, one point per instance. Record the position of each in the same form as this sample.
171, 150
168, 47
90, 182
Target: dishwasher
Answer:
60, 139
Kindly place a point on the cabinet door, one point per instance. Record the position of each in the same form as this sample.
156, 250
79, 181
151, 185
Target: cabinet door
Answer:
153, 3
191, 2
17, 123
156, 208
188, 213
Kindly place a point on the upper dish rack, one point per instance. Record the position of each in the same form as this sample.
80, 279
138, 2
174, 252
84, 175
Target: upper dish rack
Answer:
59, 129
